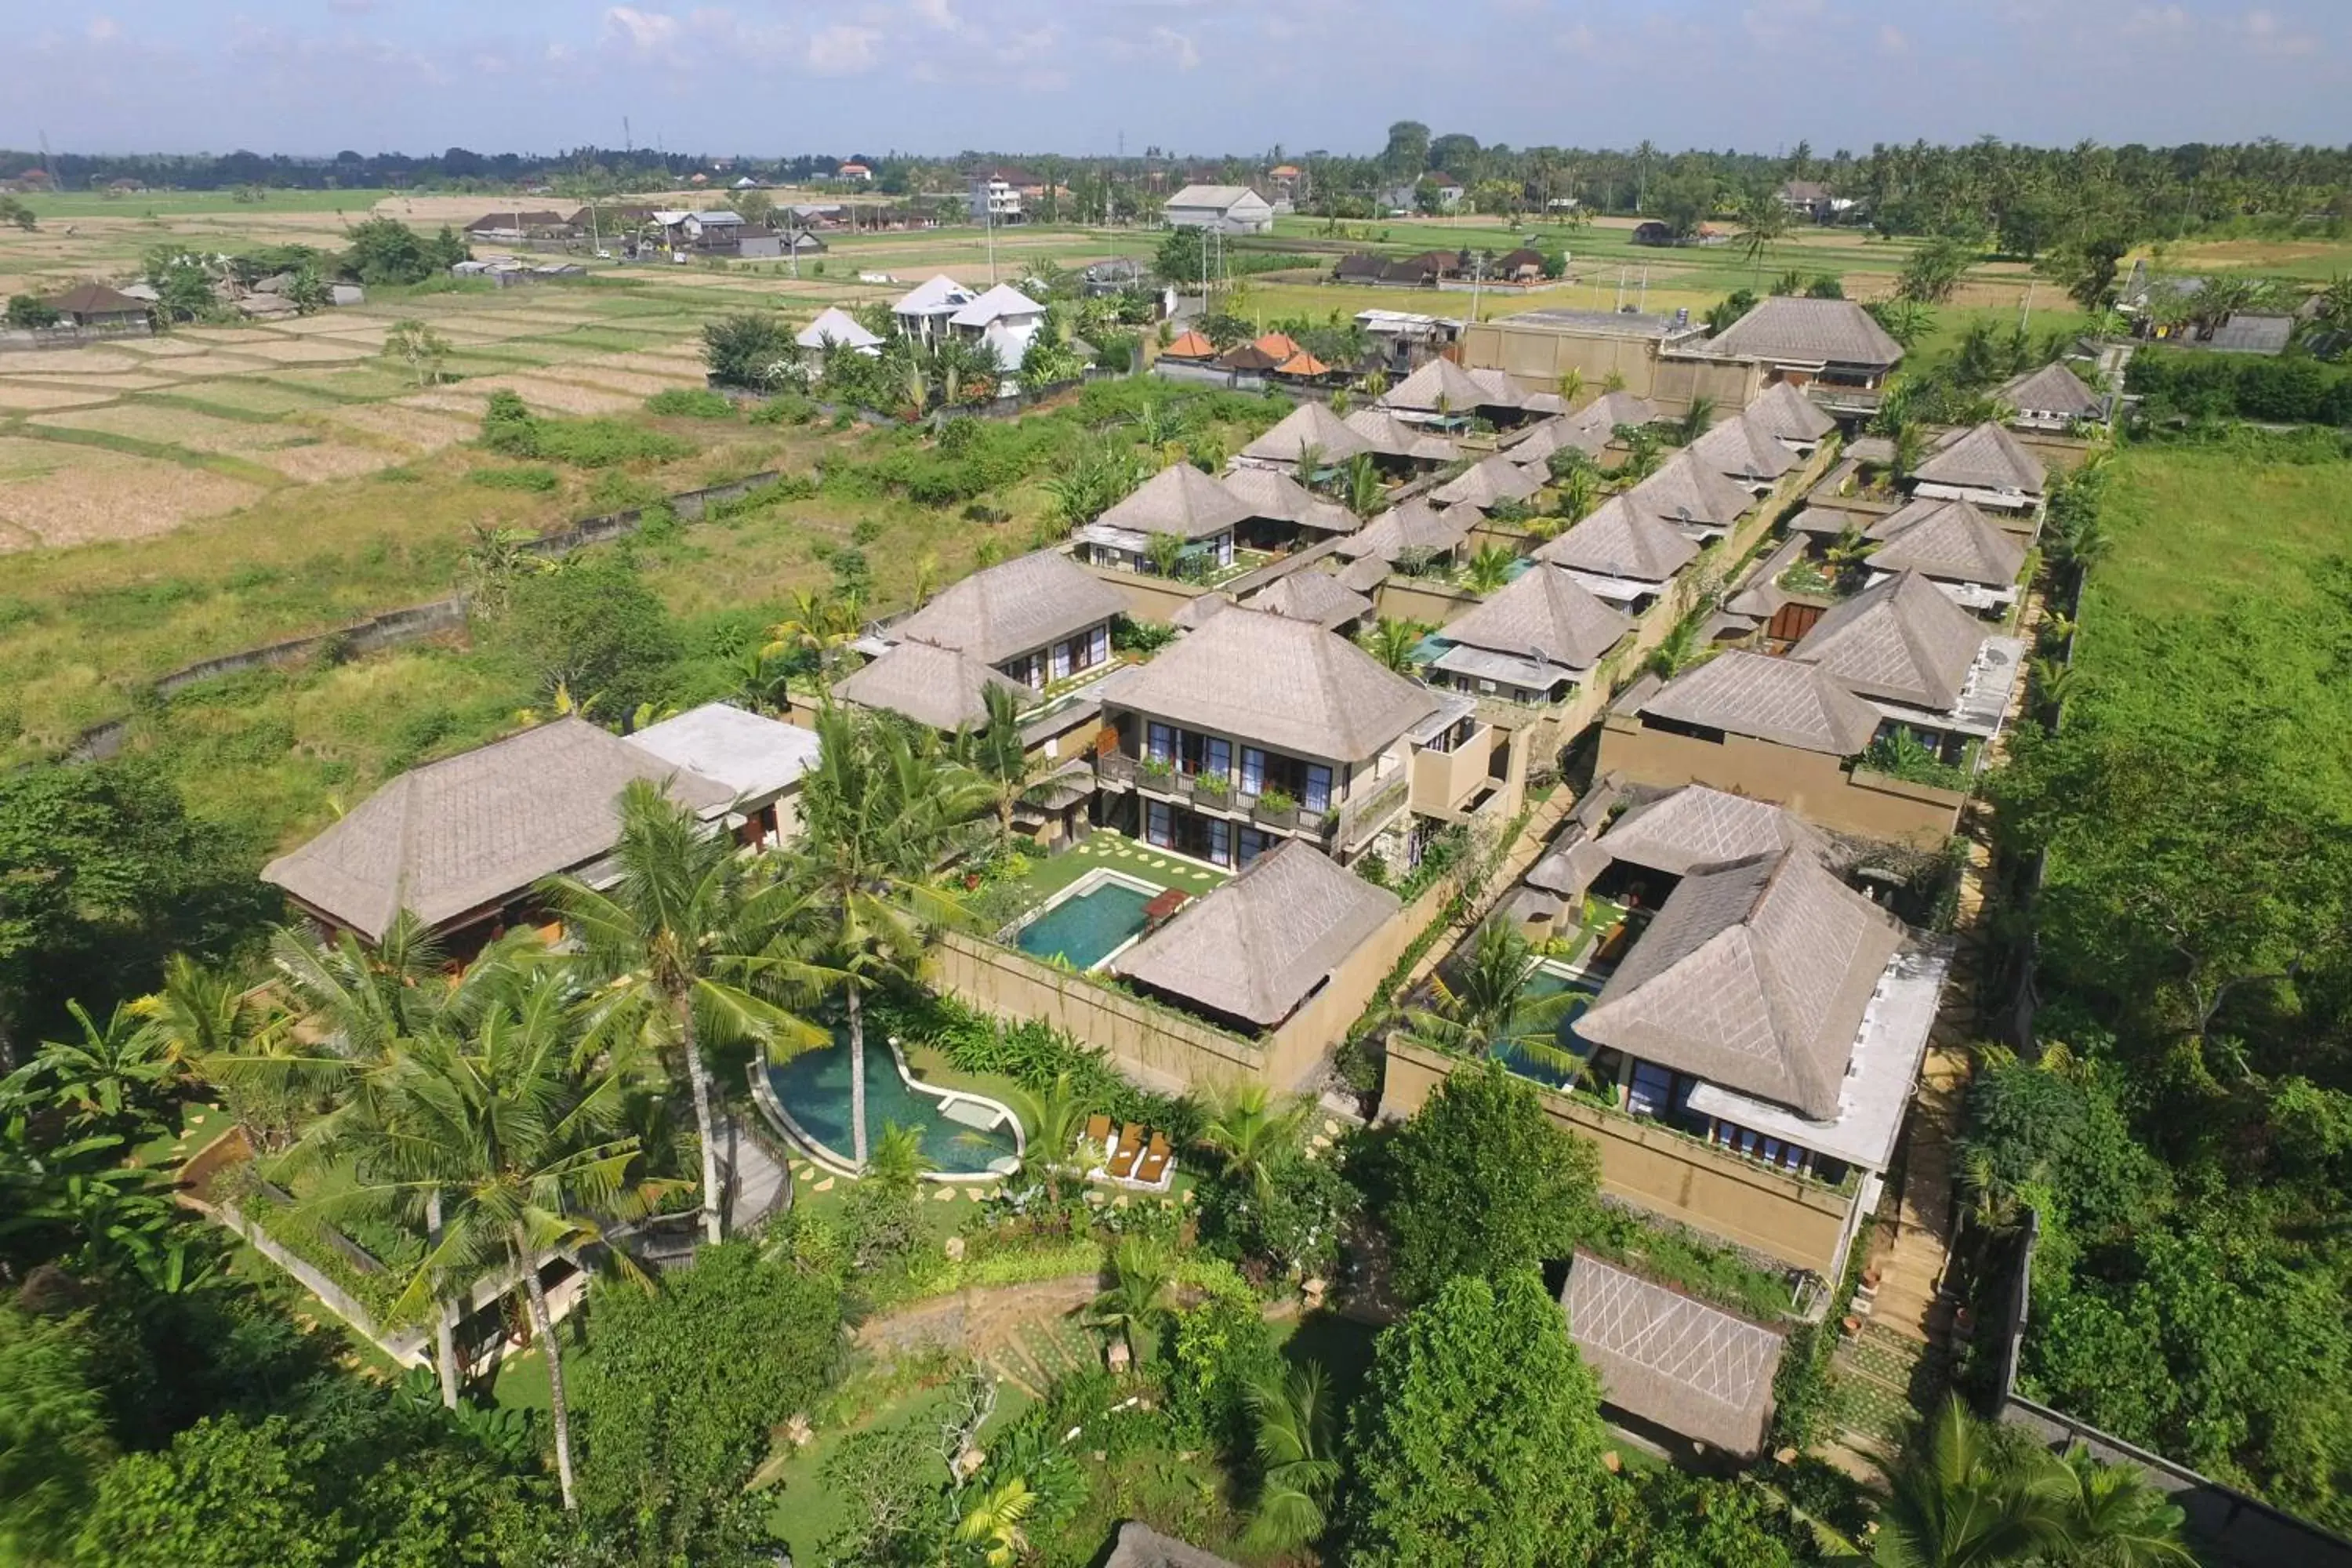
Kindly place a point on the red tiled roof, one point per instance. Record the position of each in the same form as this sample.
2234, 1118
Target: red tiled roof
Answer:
1192, 345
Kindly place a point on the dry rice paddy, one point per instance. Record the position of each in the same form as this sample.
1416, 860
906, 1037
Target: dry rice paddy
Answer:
54, 494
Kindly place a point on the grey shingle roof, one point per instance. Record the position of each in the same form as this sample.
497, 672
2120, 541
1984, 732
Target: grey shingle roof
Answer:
755, 756
2052, 389
1665, 1358
1744, 452
1141, 1546
1948, 540
1788, 330
1415, 525
1217, 197
1782, 700
1311, 424
1015, 606
1462, 390
1387, 434
1544, 613
1253, 947
1179, 499
1753, 975
1310, 595
1278, 682
1617, 541
1786, 414
1903, 641
1987, 458
936, 685
1483, 485
477, 829
2246, 332
1533, 446
1697, 825
1269, 493
1688, 492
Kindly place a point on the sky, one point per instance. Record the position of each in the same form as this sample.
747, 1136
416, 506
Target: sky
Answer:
762, 77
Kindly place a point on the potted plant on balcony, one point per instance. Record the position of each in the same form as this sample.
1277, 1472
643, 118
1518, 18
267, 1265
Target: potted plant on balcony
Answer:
1277, 808
1212, 788
1156, 773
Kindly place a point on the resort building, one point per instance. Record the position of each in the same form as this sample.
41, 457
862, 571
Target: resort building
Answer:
1257, 728
835, 328
1311, 430
1832, 347
1443, 395
1783, 411
1931, 670
1038, 619
1532, 642
464, 842
942, 689
1953, 545
1669, 1365
761, 759
1655, 356
1178, 503
1745, 452
1623, 554
1689, 493
1988, 466
2051, 398
924, 311
1283, 513
1486, 485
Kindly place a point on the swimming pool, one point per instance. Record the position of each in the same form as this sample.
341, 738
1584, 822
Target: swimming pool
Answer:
1550, 980
963, 1135
1090, 920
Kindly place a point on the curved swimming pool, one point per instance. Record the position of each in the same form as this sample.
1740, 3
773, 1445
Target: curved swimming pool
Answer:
963, 1135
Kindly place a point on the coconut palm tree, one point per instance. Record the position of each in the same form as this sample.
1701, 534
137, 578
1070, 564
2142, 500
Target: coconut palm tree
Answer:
1132, 1305
1958, 1503
1571, 385
762, 680
1484, 1011
1250, 1129
1579, 492
2113, 1519
1364, 487
514, 1120
1054, 1117
689, 947
1393, 642
820, 623
1001, 761
883, 809
1489, 570
238, 1041
1763, 223
1695, 420
1298, 1453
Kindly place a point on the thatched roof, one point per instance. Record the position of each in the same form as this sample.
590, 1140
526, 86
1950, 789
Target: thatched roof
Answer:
1018, 605
1459, 390
1950, 541
1744, 452
1754, 975
1141, 1546
1783, 411
1690, 493
1544, 614
1277, 683
1667, 1358
1903, 641
1697, 825
933, 685
1485, 485
1788, 701
1619, 540
1311, 424
2054, 389
1179, 499
1987, 458
477, 829
1788, 330
1414, 526
1384, 433
1254, 948
1311, 596
1271, 494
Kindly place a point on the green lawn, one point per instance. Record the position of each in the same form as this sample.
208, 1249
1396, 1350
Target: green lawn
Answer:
180, 203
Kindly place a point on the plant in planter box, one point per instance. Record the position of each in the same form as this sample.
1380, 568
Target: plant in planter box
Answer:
1155, 770
1276, 802
1214, 785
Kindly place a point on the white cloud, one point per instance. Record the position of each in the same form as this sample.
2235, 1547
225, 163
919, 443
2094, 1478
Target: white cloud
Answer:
2157, 22
104, 30
939, 14
1578, 40
1892, 41
1170, 41
2266, 35
645, 30
844, 50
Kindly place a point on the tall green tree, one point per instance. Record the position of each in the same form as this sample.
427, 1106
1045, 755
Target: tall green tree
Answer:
1483, 1183
690, 947
1298, 1455
1483, 1009
1478, 1438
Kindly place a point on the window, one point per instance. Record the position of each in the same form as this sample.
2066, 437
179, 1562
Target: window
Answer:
1665, 1094
1061, 660
1161, 741
1217, 757
1253, 844
1253, 771
1097, 646
1318, 798
1219, 841
1159, 825
1756, 1146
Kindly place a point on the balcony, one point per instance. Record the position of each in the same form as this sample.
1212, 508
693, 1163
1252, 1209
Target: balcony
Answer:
1443, 781
1115, 770
1362, 818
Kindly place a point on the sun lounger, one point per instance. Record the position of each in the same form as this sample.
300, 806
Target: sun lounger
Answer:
1098, 1131
1131, 1148
1155, 1161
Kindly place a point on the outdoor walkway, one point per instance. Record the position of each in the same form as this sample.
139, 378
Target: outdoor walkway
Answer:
756, 1186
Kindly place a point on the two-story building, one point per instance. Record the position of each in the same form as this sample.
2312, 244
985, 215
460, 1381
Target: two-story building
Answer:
1532, 642
1257, 728
1623, 554
1005, 319
1831, 345
1036, 619
924, 312
1178, 503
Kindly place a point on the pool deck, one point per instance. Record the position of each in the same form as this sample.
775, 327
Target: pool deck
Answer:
1104, 848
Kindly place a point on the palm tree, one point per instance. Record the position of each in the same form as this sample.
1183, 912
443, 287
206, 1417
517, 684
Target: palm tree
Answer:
821, 624
2115, 1518
1137, 1297
687, 948
1250, 1130
762, 680
238, 1041
1489, 570
1763, 223
115, 1076
883, 808
1579, 492
1846, 555
1001, 762
1695, 420
514, 1120
2055, 682
1571, 385
1484, 1010
993, 1522
1910, 448
1364, 490
1310, 460
1956, 1504
1393, 642
1298, 1452
1055, 1116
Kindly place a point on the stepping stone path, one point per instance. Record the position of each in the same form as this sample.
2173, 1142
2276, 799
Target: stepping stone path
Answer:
944, 1196
823, 1186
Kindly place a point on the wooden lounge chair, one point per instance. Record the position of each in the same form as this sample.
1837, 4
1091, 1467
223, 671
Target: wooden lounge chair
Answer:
1155, 1161
1131, 1148
1098, 1131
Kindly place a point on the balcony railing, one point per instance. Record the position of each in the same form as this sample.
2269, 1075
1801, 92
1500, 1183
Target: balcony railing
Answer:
1362, 817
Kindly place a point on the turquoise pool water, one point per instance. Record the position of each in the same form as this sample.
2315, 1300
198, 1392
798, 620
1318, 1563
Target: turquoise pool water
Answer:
1087, 928
814, 1087
1545, 983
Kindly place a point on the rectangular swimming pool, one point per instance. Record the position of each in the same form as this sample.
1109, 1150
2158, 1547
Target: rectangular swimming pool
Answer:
1097, 915
1550, 980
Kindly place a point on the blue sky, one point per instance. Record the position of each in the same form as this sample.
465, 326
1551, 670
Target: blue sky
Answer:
1201, 76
